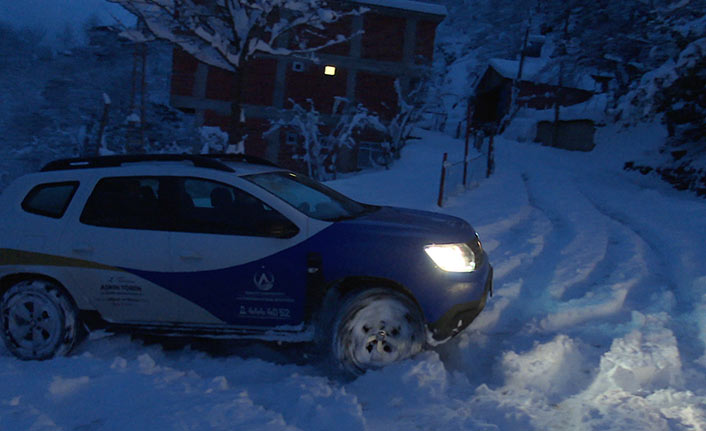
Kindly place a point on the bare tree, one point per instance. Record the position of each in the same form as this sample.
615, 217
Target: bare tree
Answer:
230, 33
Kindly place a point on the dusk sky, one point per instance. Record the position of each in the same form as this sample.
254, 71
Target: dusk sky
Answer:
53, 15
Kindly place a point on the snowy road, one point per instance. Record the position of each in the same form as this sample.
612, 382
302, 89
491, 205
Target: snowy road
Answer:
598, 323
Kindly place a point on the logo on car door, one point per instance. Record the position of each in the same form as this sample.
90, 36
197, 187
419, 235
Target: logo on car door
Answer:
264, 280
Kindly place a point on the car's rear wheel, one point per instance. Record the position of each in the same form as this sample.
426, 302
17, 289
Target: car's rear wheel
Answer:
374, 328
39, 320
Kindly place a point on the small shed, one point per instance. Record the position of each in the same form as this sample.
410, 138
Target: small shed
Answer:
538, 90
574, 135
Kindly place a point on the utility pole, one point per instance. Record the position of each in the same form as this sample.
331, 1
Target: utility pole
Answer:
559, 92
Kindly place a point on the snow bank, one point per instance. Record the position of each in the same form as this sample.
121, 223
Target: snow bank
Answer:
553, 368
638, 385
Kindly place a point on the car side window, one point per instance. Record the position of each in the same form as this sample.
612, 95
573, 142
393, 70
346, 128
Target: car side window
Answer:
128, 203
212, 207
50, 200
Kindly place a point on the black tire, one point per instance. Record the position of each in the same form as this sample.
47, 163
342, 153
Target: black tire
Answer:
39, 320
374, 328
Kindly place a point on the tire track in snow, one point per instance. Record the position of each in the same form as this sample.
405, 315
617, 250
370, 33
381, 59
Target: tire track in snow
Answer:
606, 288
571, 266
609, 269
519, 243
516, 241
585, 237
536, 273
653, 257
616, 263
661, 283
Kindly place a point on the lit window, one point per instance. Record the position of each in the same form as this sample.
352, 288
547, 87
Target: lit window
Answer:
330, 70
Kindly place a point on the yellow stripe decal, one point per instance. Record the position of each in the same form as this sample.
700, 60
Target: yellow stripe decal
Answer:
19, 257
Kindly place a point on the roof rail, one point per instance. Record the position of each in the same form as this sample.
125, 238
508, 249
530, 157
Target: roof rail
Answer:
118, 160
245, 158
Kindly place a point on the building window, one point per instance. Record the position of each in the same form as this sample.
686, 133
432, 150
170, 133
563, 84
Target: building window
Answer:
330, 70
314, 85
424, 47
377, 93
292, 138
383, 37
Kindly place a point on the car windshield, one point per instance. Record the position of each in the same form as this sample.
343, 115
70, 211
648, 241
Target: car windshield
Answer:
309, 196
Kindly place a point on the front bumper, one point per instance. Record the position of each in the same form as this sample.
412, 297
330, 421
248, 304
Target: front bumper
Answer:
458, 317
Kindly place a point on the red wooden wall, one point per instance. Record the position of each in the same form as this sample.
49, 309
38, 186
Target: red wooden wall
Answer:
381, 45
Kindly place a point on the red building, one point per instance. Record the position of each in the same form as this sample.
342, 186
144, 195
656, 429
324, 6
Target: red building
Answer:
397, 42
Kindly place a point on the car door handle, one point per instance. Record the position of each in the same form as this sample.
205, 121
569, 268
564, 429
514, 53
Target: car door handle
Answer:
82, 248
189, 255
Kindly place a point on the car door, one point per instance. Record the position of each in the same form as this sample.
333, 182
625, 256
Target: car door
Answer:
236, 256
119, 241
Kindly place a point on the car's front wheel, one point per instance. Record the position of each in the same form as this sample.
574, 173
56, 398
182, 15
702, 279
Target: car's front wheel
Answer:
374, 328
39, 320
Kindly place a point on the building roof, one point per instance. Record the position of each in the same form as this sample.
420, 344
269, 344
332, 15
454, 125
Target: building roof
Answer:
410, 5
531, 69
536, 70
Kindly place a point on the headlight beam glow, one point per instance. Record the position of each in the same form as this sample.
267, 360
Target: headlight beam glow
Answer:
452, 257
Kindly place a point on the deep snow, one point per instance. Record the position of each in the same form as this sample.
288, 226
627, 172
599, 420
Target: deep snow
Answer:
598, 321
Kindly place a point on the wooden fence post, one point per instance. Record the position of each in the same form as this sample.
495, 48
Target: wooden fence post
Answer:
440, 202
491, 157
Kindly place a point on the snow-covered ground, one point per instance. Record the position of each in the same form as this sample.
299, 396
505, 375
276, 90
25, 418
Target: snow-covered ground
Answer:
598, 321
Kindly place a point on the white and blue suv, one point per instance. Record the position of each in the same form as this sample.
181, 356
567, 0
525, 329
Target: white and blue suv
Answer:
228, 246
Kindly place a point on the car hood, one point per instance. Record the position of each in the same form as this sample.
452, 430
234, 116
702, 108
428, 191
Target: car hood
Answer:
408, 222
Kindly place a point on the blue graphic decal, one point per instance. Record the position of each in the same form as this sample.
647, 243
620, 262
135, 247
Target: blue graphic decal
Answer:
388, 243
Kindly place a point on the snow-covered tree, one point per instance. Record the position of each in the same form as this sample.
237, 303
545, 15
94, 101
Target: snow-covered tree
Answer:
409, 108
473, 33
230, 33
321, 140
674, 92
483, 29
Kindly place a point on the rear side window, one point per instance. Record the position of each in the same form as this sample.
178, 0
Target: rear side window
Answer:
50, 200
128, 203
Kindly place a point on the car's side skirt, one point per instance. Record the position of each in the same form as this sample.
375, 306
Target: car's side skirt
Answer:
288, 333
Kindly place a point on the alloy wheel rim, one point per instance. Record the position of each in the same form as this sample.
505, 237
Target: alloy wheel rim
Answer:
375, 342
33, 324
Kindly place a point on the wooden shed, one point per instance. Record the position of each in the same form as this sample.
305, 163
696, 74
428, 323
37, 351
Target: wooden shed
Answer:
536, 90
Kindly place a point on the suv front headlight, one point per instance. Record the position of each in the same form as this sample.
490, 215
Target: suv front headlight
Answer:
452, 257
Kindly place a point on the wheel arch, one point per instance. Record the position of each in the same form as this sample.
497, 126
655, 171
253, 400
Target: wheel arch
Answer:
339, 289
7, 281
72, 330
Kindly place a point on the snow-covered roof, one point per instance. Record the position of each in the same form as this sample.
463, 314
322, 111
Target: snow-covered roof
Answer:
531, 70
415, 6
536, 70
593, 109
